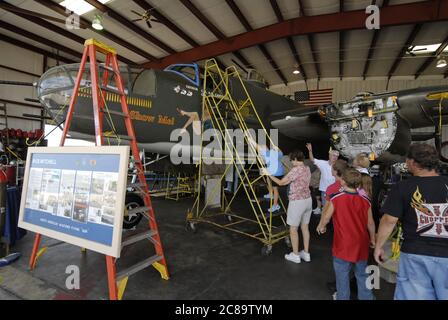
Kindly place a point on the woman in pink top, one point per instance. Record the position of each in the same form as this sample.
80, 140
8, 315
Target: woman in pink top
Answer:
300, 205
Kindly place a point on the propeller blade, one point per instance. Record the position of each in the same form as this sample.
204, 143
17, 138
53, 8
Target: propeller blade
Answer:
135, 20
139, 14
155, 20
148, 24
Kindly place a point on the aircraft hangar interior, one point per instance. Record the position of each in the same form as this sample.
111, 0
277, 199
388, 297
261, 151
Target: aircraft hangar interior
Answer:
226, 150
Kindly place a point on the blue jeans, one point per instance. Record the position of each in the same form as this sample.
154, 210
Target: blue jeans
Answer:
342, 270
421, 278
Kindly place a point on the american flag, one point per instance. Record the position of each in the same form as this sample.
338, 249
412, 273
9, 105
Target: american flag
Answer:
314, 97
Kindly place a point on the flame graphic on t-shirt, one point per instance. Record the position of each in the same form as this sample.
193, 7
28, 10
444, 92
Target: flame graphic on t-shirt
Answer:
430, 215
417, 202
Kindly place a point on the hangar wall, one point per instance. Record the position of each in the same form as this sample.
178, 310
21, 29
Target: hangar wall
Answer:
24, 60
348, 88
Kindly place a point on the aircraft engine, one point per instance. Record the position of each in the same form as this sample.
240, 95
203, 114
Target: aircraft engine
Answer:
369, 126
380, 125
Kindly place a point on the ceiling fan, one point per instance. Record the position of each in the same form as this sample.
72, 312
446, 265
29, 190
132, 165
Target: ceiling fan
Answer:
145, 16
8, 7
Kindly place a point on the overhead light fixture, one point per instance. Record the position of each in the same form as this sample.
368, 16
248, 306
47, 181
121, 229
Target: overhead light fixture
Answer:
296, 70
441, 63
97, 22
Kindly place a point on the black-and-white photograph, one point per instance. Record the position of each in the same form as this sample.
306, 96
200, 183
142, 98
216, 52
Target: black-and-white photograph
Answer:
107, 219
80, 208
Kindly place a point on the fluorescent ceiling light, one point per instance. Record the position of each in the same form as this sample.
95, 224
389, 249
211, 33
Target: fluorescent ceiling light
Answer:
79, 7
426, 49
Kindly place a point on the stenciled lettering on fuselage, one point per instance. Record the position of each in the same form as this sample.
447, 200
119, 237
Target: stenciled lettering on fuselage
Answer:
115, 98
183, 91
133, 102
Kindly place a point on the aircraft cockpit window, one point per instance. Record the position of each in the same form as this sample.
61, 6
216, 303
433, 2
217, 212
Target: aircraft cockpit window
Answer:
55, 79
254, 75
255, 78
187, 71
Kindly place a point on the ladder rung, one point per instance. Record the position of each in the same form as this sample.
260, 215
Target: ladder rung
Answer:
84, 117
124, 137
118, 113
112, 90
137, 267
138, 210
2, 107
2, 124
102, 66
138, 237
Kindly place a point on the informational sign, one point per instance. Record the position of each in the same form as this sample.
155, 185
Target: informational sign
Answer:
76, 195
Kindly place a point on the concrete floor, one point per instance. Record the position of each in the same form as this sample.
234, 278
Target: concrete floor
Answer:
210, 264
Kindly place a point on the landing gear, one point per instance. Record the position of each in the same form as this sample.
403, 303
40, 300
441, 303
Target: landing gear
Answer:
132, 220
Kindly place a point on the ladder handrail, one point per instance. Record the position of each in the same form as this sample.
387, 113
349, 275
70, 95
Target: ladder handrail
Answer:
212, 102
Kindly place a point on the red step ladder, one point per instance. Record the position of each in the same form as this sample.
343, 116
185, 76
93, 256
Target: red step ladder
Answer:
116, 282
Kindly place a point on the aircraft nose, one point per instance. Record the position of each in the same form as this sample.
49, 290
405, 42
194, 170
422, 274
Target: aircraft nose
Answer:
55, 88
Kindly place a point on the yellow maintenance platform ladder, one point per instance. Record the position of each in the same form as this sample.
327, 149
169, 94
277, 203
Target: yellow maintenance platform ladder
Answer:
227, 113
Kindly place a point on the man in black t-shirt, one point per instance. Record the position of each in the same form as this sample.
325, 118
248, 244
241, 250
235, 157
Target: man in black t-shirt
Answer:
421, 203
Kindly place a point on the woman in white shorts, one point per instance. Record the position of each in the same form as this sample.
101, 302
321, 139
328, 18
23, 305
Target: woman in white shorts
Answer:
300, 205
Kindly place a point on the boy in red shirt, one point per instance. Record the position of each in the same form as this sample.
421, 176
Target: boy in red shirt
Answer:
354, 231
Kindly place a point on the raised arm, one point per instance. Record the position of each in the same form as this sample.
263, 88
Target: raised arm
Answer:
309, 146
253, 143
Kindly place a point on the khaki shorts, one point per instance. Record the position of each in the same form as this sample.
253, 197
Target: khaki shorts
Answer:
299, 212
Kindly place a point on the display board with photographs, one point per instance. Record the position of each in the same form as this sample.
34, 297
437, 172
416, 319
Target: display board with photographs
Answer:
76, 195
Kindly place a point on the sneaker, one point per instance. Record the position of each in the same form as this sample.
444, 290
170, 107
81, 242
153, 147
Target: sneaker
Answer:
317, 211
335, 296
267, 196
305, 256
292, 257
274, 208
